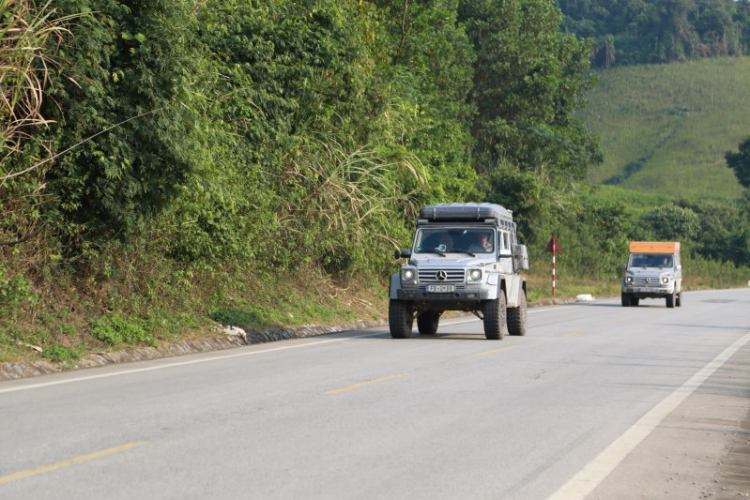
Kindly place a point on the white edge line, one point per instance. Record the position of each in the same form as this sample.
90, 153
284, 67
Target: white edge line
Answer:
181, 363
588, 478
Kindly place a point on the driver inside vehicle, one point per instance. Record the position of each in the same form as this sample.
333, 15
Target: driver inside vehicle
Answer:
483, 242
666, 261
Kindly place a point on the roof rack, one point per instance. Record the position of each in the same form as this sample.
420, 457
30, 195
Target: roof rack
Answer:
465, 212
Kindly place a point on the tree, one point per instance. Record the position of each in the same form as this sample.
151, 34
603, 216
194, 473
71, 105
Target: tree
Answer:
740, 162
660, 31
135, 70
430, 76
673, 223
528, 81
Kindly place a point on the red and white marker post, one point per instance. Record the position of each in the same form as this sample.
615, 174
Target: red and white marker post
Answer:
554, 248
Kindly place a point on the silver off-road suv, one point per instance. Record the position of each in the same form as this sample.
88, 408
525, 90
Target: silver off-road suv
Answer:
653, 271
464, 258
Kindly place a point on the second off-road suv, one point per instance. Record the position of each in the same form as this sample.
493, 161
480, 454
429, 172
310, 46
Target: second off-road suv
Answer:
465, 257
653, 271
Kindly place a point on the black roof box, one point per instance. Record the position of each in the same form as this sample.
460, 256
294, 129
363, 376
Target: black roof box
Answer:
462, 212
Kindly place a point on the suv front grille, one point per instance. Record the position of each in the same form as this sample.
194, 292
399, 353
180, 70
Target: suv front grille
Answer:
651, 282
447, 275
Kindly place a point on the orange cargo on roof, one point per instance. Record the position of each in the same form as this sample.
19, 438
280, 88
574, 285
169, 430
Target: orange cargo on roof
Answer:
654, 247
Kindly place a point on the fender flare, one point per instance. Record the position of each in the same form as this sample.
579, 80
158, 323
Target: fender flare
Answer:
394, 286
513, 296
502, 287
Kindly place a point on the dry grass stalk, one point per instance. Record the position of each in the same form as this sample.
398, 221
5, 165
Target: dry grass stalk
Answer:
29, 36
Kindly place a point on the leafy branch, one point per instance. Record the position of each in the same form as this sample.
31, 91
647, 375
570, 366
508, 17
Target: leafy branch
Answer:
79, 143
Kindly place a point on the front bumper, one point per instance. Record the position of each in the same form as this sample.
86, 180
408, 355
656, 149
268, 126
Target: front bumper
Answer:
469, 299
464, 295
648, 292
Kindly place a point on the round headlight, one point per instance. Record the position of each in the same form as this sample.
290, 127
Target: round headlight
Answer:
665, 280
475, 275
408, 274
629, 279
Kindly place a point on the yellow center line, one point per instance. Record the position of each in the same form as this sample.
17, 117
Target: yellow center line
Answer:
621, 320
77, 460
362, 384
497, 350
572, 333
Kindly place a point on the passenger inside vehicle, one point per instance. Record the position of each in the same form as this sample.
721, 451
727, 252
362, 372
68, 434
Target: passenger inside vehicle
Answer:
435, 240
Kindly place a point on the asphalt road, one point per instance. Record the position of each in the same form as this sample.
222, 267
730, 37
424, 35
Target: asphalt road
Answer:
596, 401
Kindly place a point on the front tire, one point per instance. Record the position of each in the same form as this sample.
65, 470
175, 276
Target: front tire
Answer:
679, 299
400, 318
625, 299
427, 322
517, 317
494, 317
671, 300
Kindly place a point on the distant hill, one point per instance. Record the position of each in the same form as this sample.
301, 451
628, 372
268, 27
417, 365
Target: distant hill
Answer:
665, 128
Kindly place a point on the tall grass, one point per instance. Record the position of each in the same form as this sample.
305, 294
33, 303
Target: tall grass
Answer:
28, 38
701, 273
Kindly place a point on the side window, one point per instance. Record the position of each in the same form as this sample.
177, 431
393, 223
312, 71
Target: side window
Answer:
504, 242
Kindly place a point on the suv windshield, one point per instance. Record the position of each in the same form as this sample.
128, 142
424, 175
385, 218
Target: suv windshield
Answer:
458, 240
650, 260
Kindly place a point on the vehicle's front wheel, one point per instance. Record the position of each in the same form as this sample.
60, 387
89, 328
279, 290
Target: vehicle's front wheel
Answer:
679, 299
625, 298
671, 300
634, 301
517, 316
427, 322
494, 317
400, 318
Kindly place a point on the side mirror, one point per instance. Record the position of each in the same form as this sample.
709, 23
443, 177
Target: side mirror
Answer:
679, 268
520, 257
402, 254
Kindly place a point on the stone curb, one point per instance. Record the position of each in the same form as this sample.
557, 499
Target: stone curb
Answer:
25, 369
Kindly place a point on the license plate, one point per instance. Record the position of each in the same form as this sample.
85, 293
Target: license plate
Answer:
440, 288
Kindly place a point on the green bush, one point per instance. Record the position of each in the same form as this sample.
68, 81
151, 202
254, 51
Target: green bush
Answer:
243, 319
57, 352
115, 329
14, 289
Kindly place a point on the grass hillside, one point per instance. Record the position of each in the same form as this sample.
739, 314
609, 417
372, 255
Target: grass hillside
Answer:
665, 128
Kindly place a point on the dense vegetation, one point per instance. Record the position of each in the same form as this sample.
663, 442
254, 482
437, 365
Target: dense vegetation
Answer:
659, 31
165, 164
